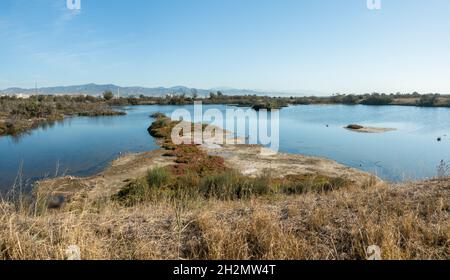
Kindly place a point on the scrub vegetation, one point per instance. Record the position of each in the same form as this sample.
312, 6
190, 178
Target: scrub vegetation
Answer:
18, 116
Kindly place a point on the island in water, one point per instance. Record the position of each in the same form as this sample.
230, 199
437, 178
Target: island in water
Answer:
367, 129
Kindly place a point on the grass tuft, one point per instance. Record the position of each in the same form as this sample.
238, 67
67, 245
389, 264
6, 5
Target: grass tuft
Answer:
158, 177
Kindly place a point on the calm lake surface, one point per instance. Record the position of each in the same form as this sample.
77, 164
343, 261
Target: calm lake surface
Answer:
83, 146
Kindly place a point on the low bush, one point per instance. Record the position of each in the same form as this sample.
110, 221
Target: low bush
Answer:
355, 126
377, 99
350, 99
310, 183
158, 177
2, 128
429, 100
228, 185
101, 113
157, 115
133, 193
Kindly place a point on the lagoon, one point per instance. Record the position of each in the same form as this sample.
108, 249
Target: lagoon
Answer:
82, 146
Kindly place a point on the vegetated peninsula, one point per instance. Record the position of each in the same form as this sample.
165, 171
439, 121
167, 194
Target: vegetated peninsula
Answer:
19, 115
217, 201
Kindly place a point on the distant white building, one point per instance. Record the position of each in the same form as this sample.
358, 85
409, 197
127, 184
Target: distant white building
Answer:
22, 96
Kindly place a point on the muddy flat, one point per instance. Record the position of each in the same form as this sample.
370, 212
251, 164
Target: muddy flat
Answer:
255, 160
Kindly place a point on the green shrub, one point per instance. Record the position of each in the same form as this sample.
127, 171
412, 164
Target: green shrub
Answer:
108, 95
269, 105
158, 115
2, 128
91, 98
133, 193
159, 177
220, 186
350, 99
428, 100
160, 184
146, 188
311, 183
233, 185
377, 99
161, 128
187, 186
133, 101
12, 129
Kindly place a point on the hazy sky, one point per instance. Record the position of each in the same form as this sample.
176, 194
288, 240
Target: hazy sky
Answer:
323, 45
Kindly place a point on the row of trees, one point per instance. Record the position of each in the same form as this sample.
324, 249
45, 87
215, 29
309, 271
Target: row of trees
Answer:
349, 99
368, 99
426, 100
429, 100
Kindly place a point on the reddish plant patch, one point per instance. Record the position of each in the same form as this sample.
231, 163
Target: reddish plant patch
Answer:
191, 158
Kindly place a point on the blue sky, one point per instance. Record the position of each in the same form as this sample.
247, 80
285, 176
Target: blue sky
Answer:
285, 45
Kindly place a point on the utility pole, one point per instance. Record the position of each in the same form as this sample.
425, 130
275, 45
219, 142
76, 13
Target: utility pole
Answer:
118, 93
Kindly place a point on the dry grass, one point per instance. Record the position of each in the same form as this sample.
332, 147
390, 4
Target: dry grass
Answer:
407, 222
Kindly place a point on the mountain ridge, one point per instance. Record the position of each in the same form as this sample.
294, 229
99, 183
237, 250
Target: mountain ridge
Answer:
98, 89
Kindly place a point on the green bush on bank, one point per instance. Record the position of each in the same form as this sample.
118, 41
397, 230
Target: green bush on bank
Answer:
377, 99
429, 100
160, 183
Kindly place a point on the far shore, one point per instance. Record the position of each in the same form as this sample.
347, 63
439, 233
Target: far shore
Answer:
20, 115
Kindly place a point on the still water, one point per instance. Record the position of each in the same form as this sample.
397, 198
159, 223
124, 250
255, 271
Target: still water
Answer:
83, 146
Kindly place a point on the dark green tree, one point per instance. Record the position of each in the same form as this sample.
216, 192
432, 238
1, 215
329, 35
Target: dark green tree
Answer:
108, 95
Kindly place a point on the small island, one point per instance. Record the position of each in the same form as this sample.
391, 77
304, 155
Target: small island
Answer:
364, 129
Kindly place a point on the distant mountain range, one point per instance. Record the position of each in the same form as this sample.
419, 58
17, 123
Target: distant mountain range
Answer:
95, 89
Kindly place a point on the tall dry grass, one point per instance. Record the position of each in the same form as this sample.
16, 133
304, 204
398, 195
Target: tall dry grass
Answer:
407, 222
